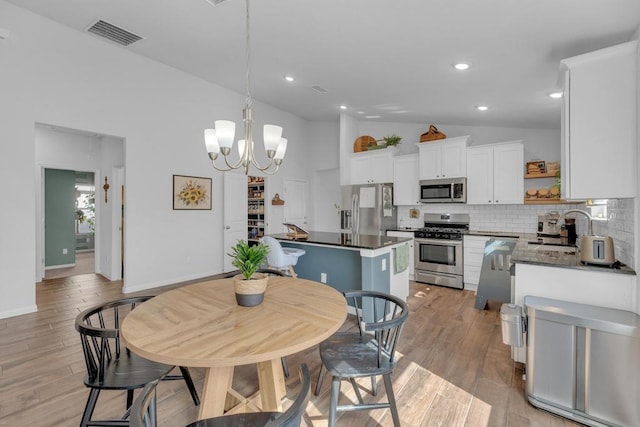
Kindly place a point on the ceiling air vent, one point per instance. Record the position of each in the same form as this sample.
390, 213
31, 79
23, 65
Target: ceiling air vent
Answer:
319, 89
115, 34
215, 2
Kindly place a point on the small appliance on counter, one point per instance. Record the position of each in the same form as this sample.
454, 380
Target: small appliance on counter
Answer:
549, 224
597, 250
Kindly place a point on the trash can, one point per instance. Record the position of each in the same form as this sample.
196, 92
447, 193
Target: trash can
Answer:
512, 325
582, 361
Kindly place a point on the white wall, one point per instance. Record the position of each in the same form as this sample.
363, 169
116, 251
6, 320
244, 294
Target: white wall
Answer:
53, 74
325, 180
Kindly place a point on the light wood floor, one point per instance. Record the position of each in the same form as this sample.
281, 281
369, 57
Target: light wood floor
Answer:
454, 369
85, 264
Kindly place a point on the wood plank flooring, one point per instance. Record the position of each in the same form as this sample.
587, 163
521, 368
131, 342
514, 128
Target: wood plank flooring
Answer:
454, 369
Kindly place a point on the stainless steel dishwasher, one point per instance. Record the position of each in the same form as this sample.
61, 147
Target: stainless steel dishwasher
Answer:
583, 361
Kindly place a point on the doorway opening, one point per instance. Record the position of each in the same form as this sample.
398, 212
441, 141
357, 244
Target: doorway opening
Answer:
77, 243
92, 213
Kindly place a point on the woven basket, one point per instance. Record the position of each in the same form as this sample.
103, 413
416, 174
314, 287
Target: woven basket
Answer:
432, 134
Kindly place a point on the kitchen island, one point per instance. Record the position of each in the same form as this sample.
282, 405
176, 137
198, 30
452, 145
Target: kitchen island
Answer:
349, 261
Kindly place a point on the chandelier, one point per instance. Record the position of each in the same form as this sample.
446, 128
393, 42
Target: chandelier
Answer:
220, 139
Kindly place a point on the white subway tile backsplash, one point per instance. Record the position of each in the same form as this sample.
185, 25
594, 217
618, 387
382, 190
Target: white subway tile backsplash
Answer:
524, 219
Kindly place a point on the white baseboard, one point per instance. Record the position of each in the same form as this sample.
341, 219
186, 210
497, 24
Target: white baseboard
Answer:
126, 289
18, 311
55, 267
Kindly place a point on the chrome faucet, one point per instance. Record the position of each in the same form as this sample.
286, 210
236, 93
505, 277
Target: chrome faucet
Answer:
590, 232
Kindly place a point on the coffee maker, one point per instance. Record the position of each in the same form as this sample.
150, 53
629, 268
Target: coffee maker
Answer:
548, 224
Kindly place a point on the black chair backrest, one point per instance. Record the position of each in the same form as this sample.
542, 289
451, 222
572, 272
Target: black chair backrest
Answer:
381, 314
293, 415
143, 411
99, 329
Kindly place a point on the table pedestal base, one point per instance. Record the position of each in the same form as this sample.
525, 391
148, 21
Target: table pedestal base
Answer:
218, 386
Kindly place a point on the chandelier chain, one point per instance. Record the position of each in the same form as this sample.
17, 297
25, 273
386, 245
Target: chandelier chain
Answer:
248, 99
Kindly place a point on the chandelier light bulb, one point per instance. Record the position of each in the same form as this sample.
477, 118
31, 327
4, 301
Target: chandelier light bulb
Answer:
282, 149
225, 132
211, 141
272, 135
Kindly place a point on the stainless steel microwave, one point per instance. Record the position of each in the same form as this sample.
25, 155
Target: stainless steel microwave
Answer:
451, 190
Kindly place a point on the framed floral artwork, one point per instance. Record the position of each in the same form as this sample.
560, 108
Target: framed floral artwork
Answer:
191, 193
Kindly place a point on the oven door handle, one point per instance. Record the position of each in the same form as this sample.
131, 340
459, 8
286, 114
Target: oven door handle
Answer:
442, 242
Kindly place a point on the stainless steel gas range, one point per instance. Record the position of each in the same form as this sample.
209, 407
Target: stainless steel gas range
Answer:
438, 249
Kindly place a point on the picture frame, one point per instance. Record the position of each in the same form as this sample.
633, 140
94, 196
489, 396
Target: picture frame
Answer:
191, 193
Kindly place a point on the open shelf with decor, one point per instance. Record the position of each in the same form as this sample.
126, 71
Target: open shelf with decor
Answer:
256, 221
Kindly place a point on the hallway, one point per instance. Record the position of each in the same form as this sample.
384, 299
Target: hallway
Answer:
85, 264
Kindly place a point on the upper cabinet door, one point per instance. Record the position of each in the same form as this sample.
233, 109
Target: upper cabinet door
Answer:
372, 167
480, 175
430, 161
508, 171
446, 158
599, 122
495, 174
454, 159
406, 190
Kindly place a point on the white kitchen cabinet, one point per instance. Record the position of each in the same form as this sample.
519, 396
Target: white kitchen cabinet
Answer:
495, 174
472, 254
406, 190
599, 117
446, 158
372, 167
408, 235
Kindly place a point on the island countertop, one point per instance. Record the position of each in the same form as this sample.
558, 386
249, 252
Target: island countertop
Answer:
344, 240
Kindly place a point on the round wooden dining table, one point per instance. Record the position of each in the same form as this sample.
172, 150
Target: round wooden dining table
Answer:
201, 325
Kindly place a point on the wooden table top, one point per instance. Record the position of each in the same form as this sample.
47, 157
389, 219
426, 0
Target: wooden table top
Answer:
201, 325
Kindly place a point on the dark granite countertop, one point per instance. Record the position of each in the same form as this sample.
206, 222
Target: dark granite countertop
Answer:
549, 251
559, 254
345, 240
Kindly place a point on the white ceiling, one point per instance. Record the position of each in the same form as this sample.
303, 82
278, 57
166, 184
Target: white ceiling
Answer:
388, 58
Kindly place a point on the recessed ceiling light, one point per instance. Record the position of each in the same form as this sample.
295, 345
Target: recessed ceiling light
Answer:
372, 117
289, 78
482, 108
342, 107
555, 95
360, 112
461, 66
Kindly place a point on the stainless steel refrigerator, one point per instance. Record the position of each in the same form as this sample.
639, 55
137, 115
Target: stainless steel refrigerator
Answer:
367, 209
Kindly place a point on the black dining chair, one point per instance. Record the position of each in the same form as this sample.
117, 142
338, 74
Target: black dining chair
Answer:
110, 365
143, 411
270, 272
368, 353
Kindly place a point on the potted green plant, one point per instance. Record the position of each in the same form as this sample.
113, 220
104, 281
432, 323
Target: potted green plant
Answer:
392, 140
249, 285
